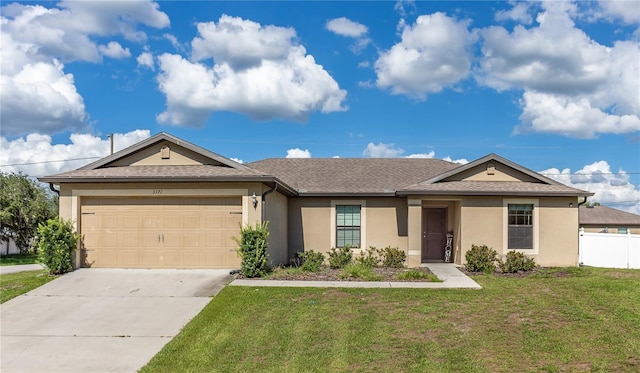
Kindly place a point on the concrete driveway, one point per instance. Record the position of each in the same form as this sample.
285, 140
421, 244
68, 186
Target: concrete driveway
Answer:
101, 320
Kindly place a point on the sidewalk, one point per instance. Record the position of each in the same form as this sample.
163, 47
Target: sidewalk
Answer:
451, 276
20, 268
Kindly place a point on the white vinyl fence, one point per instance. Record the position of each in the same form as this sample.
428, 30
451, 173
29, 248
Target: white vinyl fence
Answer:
609, 250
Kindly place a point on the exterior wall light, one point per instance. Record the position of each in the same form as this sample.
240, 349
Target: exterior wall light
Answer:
254, 199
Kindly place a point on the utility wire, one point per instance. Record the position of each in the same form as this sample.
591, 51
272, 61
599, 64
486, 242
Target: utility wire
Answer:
42, 162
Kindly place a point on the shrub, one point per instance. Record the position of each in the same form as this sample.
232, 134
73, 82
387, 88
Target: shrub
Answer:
516, 261
481, 259
311, 260
56, 245
393, 257
253, 249
359, 271
340, 257
368, 258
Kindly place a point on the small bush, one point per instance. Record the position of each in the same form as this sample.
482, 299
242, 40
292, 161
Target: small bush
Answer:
311, 260
368, 258
253, 249
340, 257
516, 261
359, 271
416, 274
56, 245
481, 259
393, 257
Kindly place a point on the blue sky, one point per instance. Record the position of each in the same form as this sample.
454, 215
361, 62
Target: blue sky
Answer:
554, 86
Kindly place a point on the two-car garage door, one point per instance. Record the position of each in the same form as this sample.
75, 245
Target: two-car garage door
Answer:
162, 232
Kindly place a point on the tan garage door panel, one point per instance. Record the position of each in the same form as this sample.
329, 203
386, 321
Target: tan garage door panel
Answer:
161, 232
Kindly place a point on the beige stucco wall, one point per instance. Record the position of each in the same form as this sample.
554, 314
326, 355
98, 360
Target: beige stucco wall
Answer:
558, 232
276, 211
483, 223
71, 196
310, 225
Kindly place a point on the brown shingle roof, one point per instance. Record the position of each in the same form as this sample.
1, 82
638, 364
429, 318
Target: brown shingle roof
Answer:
351, 175
606, 216
151, 173
492, 188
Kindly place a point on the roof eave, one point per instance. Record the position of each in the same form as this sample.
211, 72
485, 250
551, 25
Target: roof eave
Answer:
490, 193
347, 195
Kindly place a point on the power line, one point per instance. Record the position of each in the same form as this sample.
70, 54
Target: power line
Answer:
43, 162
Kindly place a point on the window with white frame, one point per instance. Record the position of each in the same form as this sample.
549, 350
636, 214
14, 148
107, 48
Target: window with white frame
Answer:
348, 225
520, 226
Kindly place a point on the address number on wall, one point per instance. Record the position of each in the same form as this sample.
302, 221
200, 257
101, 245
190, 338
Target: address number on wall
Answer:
157, 191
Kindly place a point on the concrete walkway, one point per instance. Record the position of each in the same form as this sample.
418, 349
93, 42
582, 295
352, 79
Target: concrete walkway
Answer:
20, 268
451, 276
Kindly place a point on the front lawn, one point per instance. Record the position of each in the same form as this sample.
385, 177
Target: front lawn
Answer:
14, 284
573, 320
15, 259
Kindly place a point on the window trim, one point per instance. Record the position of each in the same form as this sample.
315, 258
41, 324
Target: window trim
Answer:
363, 219
535, 221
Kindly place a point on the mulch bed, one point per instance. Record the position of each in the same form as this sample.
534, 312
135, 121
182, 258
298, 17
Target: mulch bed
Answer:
328, 274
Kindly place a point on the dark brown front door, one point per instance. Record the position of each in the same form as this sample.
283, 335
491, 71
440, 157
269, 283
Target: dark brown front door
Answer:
434, 234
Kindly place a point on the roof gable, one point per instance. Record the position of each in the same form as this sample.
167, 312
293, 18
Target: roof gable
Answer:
163, 149
492, 167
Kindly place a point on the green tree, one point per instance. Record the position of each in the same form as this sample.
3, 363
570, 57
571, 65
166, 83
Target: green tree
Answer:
23, 205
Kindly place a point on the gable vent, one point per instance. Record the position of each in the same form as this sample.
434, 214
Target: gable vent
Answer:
165, 152
491, 169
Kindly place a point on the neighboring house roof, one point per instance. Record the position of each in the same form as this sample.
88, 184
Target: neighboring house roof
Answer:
327, 176
603, 216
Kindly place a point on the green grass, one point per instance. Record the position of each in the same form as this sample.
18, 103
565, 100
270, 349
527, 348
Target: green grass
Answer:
416, 274
15, 259
574, 320
14, 284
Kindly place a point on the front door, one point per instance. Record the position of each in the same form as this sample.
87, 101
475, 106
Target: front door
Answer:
434, 234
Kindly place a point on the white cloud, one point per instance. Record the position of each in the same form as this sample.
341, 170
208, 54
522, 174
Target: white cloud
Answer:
460, 160
613, 189
401, 5
40, 97
259, 71
431, 154
146, 59
382, 150
628, 11
434, 53
114, 50
236, 160
33, 154
298, 153
575, 117
346, 27
573, 85
241, 43
36, 94
519, 13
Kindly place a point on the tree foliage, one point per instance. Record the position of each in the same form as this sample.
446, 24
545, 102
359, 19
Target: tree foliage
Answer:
23, 205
